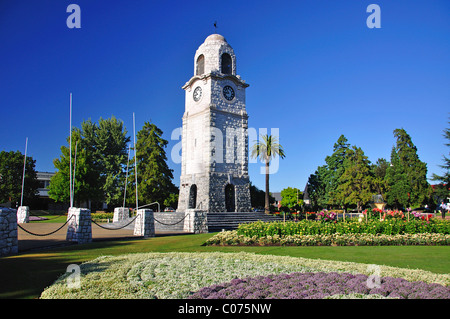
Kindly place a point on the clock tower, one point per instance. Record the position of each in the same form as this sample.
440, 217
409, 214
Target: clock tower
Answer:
214, 165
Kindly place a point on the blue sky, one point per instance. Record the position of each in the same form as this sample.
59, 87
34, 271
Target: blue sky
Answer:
315, 70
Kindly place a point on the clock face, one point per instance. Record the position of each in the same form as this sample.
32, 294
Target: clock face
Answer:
228, 92
197, 93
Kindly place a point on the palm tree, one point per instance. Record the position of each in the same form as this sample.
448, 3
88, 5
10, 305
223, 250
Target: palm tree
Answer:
266, 149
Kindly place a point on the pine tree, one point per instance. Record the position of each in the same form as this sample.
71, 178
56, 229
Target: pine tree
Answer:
335, 168
443, 189
153, 174
379, 174
322, 185
356, 182
407, 175
317, 188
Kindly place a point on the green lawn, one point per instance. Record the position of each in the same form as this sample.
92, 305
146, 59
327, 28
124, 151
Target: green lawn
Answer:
51, 219
26, 275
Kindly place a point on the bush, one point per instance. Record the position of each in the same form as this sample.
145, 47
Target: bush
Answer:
98, 217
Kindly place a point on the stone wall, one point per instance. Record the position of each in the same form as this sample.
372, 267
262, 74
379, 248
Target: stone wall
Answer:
79, 225
23, 214
8, 232
120, 213
145, 224
196, 222
169, 221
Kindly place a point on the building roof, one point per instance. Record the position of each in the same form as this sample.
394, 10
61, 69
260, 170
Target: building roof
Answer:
215, 37
277, 196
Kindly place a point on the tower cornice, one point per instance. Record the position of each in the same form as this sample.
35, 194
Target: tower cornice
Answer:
216, 75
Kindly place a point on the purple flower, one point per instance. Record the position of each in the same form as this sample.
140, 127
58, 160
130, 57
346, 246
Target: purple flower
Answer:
319, 285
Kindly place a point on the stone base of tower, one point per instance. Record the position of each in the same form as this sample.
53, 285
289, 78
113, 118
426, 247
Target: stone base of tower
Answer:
214, 192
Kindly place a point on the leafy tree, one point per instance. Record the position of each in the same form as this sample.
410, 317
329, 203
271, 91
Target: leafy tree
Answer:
11, 174
266, 149
356, 182
111, 156
407, 175
154, 175
86, 177
172, 200
291, 197
101, 156
443, 189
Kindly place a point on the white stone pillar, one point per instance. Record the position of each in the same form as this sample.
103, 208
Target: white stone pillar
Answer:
8, 232
79, 225
23, 214
196, 221
120, 213
145, 223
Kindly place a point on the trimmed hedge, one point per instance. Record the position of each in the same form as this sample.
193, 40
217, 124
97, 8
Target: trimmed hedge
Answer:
307, 227
231, 238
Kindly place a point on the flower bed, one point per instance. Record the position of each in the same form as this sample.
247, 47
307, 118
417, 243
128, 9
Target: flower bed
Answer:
179, 275
311, 227
320, 285
336, 239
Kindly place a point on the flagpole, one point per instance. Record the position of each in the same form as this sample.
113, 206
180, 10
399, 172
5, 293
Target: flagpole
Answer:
23, 177
135, 162
74, 169
70, 152
126, 176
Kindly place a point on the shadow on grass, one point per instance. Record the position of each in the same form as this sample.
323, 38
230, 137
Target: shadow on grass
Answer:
26, 275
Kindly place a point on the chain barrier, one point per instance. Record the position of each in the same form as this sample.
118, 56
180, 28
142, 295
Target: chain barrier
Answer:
109, 228
173, 223
34, 234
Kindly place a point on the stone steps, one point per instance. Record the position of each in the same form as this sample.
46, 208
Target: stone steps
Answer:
231, 221
216, 221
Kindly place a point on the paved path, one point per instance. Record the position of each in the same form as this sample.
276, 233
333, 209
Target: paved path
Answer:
31, 242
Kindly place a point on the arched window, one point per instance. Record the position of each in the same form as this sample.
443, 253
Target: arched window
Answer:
200, 65
193, 197
227, 64
229, 198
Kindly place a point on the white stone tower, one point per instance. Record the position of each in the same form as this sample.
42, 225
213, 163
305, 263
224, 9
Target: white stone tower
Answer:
214, 171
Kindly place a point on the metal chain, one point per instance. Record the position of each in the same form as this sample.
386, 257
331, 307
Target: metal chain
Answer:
34, 234
108, 228
171, 224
